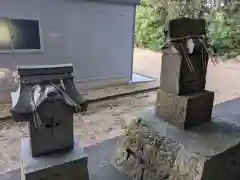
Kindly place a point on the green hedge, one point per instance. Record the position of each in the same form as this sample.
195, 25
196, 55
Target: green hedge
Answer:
153, 16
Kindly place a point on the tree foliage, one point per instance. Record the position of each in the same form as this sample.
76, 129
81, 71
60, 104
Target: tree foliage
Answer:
223, 22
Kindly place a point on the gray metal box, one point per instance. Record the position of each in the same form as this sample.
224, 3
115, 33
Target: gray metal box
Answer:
62, 165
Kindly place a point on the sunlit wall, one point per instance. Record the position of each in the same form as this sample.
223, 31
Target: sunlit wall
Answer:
5, 35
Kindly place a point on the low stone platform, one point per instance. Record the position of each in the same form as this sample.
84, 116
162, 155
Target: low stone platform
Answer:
63, 165
99, 165
155, 149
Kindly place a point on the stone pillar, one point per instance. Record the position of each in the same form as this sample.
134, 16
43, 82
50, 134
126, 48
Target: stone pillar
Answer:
177, 140
182, 98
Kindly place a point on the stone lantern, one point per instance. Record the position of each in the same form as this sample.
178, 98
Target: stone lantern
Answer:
47, 99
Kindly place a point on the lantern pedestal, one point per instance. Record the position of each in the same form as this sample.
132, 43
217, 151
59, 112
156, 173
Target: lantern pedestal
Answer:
61, 165
187, 110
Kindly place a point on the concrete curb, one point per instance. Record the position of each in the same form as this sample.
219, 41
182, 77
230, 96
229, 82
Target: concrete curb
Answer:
123, 94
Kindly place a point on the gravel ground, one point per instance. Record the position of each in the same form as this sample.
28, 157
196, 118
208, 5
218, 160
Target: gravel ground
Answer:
103, 121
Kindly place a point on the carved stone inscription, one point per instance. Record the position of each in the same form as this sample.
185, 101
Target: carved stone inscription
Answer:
171, 106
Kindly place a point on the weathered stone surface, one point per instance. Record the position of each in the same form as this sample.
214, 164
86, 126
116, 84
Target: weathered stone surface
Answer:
150, 155
176, 78
185, 111
189, 27
161, 150
184, 71
52, 135
63, 165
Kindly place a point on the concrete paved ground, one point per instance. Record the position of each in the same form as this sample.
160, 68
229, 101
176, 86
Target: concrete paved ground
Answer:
147, 63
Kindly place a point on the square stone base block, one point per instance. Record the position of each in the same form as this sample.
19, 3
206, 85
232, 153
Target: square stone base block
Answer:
152, 148
185, 111
65, 165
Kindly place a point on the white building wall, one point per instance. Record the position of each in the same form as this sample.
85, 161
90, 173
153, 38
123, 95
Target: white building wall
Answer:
97, 38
